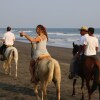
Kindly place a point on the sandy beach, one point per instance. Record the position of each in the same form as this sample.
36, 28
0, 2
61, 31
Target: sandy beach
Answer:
22, 88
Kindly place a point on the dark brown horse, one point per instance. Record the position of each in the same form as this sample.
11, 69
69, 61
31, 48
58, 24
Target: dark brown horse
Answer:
88, 70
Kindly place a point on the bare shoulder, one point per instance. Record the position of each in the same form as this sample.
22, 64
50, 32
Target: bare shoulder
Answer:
43, 37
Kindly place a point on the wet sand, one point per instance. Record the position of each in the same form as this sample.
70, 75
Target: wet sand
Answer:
22, 88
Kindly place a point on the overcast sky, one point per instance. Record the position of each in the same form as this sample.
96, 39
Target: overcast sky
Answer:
51, 13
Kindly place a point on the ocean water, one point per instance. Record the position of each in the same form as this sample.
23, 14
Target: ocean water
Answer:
59, 37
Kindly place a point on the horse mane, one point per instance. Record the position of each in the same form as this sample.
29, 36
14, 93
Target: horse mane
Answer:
75, 48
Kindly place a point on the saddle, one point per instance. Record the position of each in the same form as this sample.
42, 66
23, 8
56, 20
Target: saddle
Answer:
41, 58
36, 63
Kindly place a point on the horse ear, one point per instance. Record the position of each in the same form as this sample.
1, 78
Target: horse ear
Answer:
73, 44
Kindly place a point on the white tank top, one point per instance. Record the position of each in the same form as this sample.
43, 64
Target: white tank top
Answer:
40, 48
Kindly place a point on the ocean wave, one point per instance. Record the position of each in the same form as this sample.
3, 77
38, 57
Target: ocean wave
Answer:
72, 39
13, 30
56, 40
97, 35
73, 34
57, 37
57, 33
65, 34
26, 31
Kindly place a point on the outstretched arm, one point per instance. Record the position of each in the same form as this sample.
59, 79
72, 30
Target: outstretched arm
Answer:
31, 39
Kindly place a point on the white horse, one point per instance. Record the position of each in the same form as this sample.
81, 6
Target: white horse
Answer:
11, 54
47, 70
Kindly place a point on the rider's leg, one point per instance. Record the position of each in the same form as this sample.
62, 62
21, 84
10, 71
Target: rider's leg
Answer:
4, 57
3, 48
76, 70
77, 64
72, 68
32, 69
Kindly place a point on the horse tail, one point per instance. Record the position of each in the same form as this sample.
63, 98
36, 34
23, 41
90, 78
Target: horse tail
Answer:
11, 54
9, 59
51, 70
15, 54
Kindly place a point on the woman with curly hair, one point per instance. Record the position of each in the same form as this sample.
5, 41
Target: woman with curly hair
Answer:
41, 50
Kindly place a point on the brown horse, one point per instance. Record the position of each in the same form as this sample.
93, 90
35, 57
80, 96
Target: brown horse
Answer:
88, 70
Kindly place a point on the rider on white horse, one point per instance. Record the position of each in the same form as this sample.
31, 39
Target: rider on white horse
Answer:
8, 41
41, 50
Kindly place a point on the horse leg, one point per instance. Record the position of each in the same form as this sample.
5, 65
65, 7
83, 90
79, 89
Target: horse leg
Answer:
57, 84
10, 69
36, 90
82, 88
74, 82
94, 86
99, 91
6, 70
95, 81
16, 71
58, 91
44, 93
5, 66
16, 63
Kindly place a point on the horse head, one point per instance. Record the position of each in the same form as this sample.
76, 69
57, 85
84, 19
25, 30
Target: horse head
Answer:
75, 48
